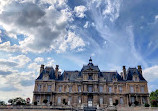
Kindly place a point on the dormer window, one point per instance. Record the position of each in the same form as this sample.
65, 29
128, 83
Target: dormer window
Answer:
135, 78
90, 77
45, 77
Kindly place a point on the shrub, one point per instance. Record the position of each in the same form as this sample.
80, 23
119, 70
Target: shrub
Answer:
136, 103
45, 101
146, 105
50, 103
129, 104
35, 103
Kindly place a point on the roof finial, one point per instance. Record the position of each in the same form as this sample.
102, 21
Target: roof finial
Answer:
90, 60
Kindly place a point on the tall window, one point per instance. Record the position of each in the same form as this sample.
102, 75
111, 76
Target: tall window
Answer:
38, 99
132, 99
60, 88
110, 89
131, 89
110, 101
69, 100
79, 88
100, 88
101, 100
136, 79
48, 98
79, 99
121, 100
142, 89
90, 89
120, 89
90, 77
59, 100
143, 100
70, 89
49, 88
39, 87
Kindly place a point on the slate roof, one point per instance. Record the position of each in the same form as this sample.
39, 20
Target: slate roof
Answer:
50, 71
74, 75
134, 71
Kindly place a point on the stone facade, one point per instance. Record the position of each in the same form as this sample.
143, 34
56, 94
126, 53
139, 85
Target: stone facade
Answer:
90, 87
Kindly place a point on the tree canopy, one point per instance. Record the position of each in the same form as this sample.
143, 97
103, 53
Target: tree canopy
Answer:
154, 98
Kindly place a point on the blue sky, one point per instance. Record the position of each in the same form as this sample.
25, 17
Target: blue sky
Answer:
67, 32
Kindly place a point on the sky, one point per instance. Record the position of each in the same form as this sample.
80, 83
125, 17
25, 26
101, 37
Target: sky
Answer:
68, 32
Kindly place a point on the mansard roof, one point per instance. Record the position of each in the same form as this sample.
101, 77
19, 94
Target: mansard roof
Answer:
50, 71
134, 71
74, 75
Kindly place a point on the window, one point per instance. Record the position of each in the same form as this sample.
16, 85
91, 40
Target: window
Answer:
60, 88
39, 87
132, 99
69, 100
101, 100
90, 89
110, 89
136, 79
90, 77
79, 99
45, 78
143, 100
79, 88
131, 89
142, 89
100, 88
70, 89
49, 88
59, 100
120, 89
48, 98
110, 101
38, 99
121, 100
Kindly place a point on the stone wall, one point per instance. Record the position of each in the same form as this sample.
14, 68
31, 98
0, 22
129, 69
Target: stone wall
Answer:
49, 108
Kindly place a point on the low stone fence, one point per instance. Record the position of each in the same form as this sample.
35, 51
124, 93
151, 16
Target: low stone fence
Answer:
137, 108
55, 108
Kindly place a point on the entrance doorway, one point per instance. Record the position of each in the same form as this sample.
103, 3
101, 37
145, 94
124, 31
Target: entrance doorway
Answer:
90, 101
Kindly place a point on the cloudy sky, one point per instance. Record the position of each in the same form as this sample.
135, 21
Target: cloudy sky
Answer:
67, 32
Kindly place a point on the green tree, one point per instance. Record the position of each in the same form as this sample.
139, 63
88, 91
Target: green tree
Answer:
17, 101
2, 103
154, 98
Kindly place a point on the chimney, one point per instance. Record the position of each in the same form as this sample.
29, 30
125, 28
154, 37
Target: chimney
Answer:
121, 74
56, 71
41, 68
124, 72
140, 69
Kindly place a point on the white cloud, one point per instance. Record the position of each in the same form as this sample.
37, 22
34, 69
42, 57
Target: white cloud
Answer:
6, 46
151, 73
39, 59
86, 25
156, 17
42, 26
21, 60
80, 11
51, 63
34, 66
72, 40
112, 9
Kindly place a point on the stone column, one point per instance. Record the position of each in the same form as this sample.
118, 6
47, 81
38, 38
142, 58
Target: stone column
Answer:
127, 100
141, 100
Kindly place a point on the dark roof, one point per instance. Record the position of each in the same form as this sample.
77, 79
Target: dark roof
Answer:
50, 71
110, 75
90, 66
134, 71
